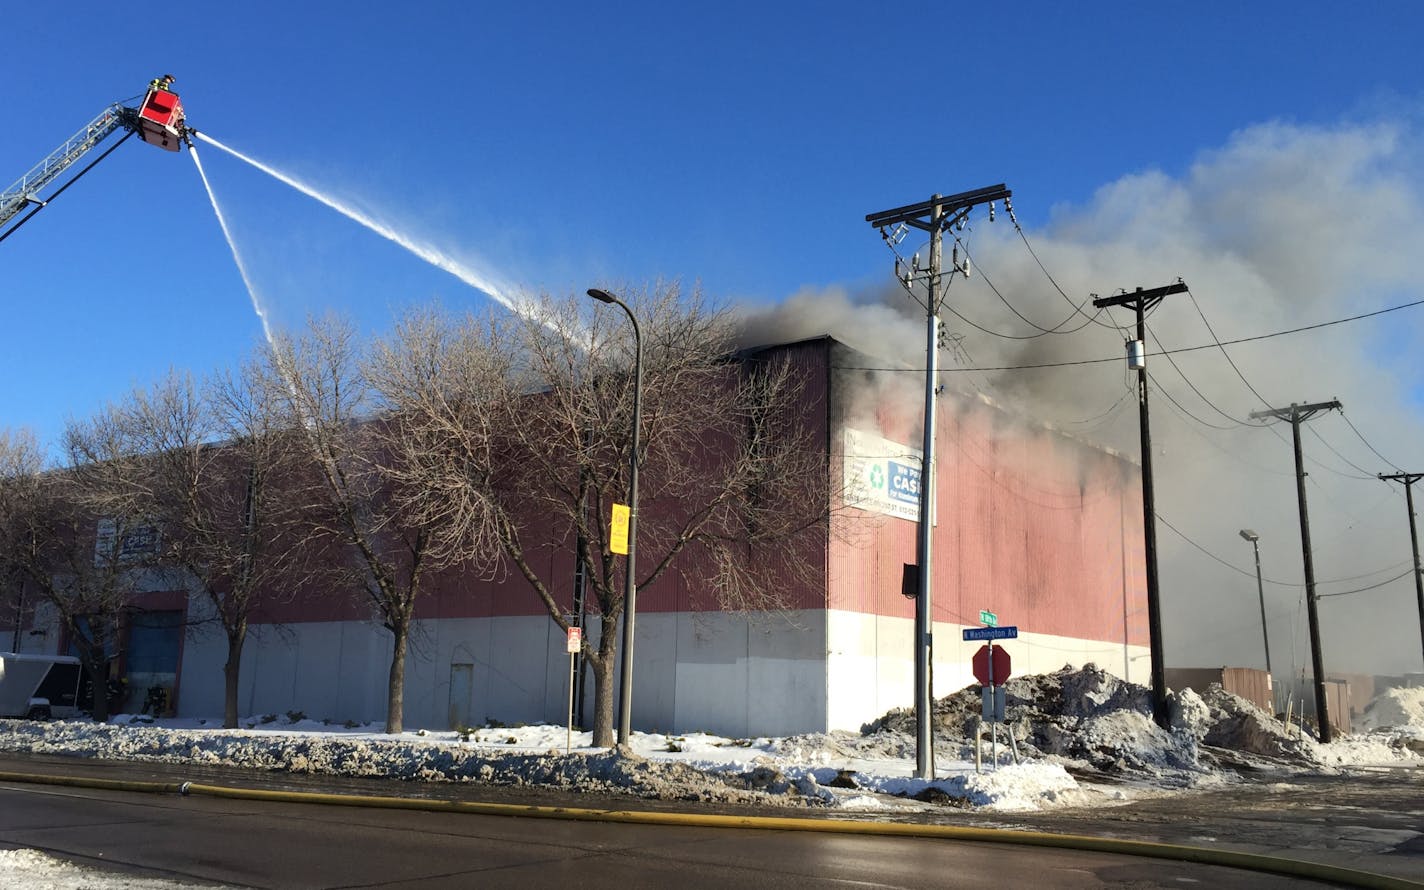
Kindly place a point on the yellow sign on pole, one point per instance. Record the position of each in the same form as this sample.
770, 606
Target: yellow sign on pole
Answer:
618, 529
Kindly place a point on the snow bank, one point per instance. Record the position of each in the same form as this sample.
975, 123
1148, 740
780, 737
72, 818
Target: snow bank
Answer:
1083, 737
1399, 708
429, 757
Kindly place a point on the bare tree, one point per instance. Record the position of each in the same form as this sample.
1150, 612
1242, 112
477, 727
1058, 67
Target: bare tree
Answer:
21, 462
219, 479
514, 436
84, 564
385, 547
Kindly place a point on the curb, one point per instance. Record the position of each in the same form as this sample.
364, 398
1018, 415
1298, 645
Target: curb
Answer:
1201, 855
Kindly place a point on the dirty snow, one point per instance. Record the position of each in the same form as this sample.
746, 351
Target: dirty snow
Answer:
1083, 737
1398, 707
34, 870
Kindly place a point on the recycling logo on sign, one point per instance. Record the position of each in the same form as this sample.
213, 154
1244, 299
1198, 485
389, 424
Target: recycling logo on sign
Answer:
877, 477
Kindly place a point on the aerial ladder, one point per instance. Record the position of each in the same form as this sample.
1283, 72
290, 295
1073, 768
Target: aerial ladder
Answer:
158, 120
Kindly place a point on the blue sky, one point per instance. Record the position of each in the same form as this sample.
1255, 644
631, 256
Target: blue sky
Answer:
559, 146
736, 144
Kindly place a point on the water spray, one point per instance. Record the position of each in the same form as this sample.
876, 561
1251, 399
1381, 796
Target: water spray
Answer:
232, 245
430, 254
277, 355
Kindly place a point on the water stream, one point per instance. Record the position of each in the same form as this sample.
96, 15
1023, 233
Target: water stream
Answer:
232, 245
430, 254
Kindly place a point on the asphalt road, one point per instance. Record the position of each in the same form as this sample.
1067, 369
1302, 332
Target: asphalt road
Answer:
1367, 819
1371, 820
281, 845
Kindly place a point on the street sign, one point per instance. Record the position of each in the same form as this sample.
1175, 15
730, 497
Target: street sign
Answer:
988, 619
991, 633
575, 640
1000, 662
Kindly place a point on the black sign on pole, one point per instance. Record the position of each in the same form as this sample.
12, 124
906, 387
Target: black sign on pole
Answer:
910, 581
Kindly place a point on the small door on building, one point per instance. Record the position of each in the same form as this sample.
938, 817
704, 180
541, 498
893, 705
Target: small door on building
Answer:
462, 687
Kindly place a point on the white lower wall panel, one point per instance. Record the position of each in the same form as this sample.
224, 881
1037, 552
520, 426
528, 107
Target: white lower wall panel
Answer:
734, 675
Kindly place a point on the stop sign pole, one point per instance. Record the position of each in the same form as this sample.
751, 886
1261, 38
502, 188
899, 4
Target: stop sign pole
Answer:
992, 667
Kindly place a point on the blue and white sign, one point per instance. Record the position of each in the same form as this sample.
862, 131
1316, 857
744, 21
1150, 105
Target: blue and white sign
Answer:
904, 483
991, 633
881, 476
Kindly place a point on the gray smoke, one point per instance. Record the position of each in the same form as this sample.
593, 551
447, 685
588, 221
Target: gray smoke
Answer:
1283, 226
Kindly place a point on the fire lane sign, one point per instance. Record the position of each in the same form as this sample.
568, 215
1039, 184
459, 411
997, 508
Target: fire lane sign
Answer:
991, 633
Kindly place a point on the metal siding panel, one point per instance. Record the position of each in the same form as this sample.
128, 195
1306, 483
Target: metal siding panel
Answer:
1044, 530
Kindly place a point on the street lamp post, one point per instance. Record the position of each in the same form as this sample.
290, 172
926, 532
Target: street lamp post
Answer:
630, 598
1260, 592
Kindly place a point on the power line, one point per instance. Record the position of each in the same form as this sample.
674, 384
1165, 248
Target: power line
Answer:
1407, 571
1103, 416
1183, 374
1099, 361
1056, 329
1225, 354
1263, 401
1077, 308
1183, 409
1042, 331
1367, 476
1346, 418
1235, 455
1251, 574
1313, 459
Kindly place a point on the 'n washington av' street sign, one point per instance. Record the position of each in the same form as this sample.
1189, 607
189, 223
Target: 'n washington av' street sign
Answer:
991, 633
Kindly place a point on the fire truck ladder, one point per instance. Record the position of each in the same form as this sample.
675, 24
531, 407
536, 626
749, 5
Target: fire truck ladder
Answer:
26, 192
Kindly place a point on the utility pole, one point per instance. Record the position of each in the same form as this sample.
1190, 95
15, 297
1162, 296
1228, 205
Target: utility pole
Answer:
1142, 300
1409, 479
933, 216
1296, 414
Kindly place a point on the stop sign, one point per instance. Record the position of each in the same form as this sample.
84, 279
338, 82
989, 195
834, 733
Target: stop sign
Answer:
1001, 664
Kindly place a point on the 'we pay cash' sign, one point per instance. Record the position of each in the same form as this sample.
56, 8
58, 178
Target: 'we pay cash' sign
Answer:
881, 475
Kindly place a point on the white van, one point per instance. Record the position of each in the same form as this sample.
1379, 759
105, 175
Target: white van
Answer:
38, 687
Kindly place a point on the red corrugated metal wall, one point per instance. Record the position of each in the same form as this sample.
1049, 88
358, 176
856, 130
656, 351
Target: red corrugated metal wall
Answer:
1042, 529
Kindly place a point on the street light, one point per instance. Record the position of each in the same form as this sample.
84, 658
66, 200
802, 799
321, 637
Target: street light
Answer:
630, 598
1261, 592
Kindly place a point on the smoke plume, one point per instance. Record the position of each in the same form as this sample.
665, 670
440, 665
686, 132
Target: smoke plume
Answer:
1282, 227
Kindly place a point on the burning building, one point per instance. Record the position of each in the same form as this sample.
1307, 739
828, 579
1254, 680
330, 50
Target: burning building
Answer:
1043, 529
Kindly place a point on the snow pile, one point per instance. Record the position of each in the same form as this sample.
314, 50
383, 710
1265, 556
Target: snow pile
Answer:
36, 871
1239, 725
1097, 724
1083, 716
1395, 730
428, 757
1378, 748
1399, 708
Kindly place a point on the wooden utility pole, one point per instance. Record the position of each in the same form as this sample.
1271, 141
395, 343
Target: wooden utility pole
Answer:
1409, 479
933, 216
1142, 300
1296, 414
